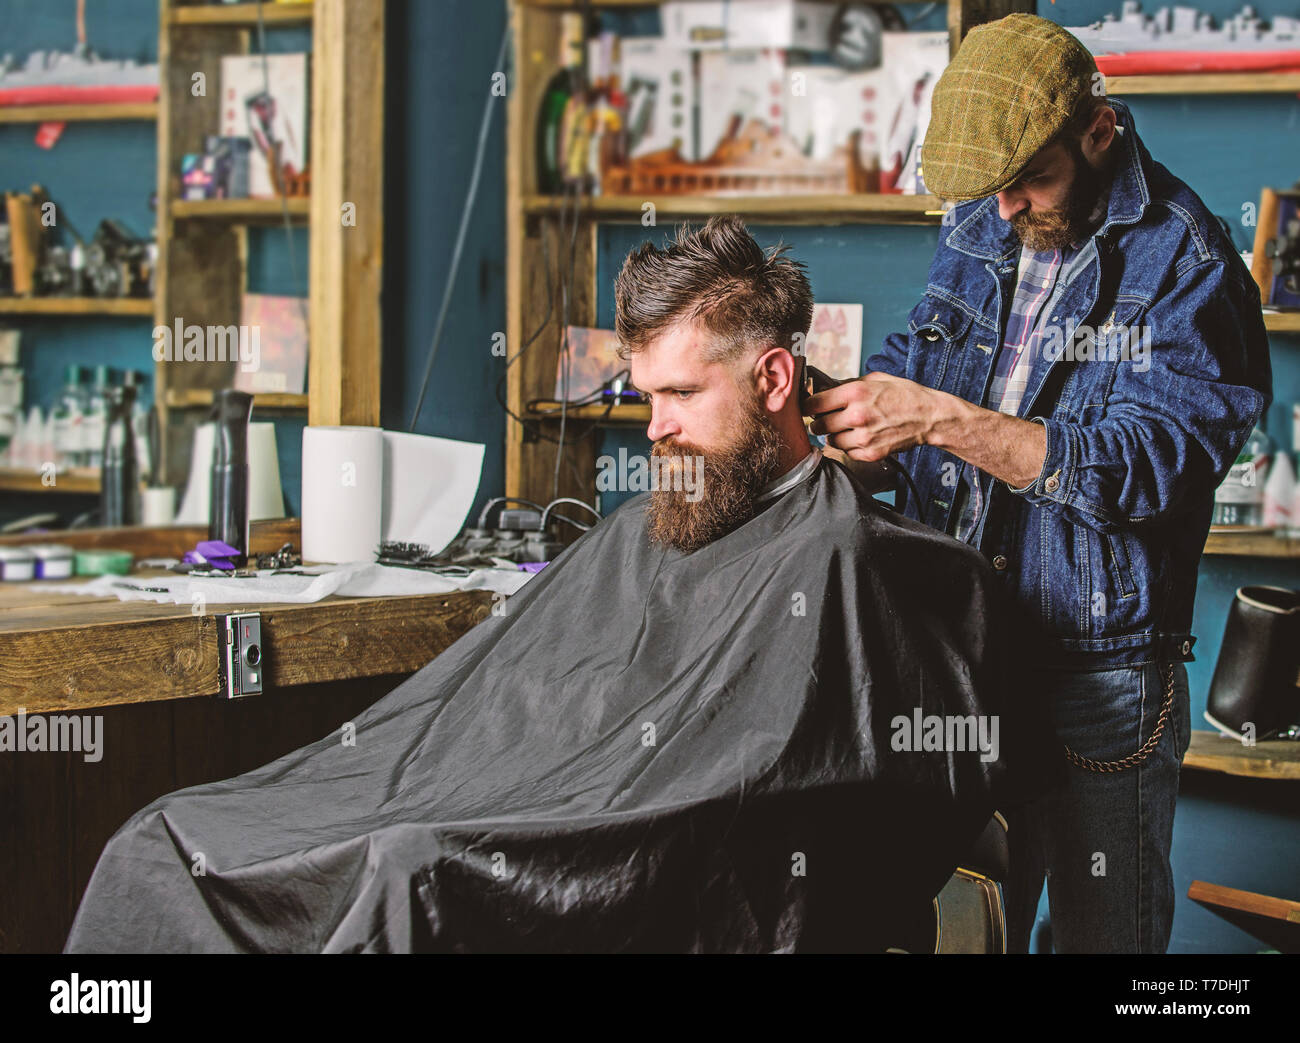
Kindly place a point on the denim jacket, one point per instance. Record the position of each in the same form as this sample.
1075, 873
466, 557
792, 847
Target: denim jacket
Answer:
1100, 551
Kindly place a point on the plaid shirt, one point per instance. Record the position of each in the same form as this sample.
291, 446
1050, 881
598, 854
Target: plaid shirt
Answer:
1036, 288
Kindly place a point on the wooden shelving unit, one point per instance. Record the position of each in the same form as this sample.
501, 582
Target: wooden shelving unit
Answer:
203, 244
142, 110
530, 463
126, 307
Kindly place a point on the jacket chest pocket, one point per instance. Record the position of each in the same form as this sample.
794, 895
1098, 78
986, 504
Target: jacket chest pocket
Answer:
938, 335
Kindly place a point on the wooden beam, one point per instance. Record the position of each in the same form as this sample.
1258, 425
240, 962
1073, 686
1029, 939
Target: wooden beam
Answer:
347, 170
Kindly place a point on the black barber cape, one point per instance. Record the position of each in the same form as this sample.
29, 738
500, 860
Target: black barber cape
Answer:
645, 751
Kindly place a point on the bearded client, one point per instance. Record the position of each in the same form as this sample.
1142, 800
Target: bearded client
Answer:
683, 735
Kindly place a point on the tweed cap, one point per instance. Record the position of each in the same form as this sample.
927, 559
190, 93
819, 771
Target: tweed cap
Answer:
1012, 86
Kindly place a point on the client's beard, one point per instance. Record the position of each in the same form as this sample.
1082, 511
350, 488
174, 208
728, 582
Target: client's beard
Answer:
1059, 228
729, 480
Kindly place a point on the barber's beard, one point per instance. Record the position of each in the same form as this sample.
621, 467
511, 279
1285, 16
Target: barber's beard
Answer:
1056, 229
728, 482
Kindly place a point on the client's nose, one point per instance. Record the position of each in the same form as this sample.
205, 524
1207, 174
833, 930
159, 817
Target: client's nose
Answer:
661, 426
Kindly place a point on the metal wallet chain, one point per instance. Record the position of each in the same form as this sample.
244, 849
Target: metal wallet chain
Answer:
1133, 759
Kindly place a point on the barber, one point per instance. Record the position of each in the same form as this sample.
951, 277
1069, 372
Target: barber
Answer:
1087, 360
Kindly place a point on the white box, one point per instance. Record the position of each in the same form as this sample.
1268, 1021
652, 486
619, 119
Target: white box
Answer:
242, 77
912, 64
659, 81
710, 25
745, 83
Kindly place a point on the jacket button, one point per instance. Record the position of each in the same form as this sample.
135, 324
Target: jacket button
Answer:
1052, 484
1000, 562
1187, 647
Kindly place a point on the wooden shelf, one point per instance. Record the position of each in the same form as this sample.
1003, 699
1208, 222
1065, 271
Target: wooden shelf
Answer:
28, 480
1206, 83
1210, 751
826, 209
122, 306
1282, 321
199, 398
241, 211
628, 413
141, 110
1250, 542
243, 16
1274, 921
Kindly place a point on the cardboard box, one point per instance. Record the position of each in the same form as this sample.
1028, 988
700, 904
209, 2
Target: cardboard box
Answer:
285, 79
750, 84
912, 64
710, 25
659, 81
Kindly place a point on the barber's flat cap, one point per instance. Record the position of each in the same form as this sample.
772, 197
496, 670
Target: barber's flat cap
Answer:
1012, 87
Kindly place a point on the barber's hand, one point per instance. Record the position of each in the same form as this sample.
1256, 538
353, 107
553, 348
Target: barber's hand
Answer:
874, 416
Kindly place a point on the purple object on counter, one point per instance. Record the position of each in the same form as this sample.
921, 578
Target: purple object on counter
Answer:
214, 553
533, 566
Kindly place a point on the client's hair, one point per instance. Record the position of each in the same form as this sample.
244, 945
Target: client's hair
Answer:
721, 279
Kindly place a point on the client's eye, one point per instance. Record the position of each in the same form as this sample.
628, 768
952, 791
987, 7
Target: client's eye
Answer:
682, 396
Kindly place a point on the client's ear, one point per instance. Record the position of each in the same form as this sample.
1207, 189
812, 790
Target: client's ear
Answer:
776, 375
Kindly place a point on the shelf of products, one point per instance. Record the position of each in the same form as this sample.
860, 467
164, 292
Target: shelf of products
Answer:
132, 307
144, 110
860, 208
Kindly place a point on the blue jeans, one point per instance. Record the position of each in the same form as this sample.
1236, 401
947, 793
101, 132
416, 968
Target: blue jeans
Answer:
1102, 840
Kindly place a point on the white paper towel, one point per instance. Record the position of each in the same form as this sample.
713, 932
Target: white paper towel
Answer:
353, 580
265, 498
342, 493
429, 486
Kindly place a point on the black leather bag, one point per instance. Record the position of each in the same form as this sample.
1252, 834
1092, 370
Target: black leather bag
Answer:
1259, 663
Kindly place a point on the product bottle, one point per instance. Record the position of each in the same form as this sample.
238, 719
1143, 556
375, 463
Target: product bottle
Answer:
140, 419
119, 479
228, 500
564, 85
1240, 499
93, 423
68, 416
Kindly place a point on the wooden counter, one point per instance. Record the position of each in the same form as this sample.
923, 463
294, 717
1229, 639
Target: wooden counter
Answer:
62, 652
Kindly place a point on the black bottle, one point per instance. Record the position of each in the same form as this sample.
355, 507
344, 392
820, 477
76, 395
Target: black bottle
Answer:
228, 506
120, 473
